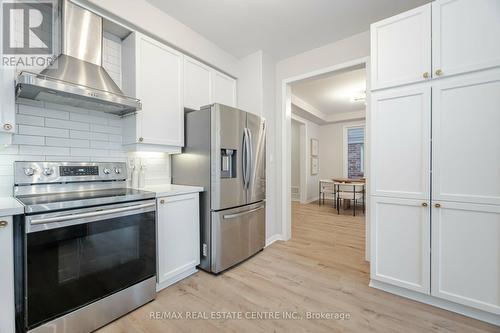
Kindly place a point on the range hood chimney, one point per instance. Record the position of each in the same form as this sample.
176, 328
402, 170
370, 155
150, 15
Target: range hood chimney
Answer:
76, 77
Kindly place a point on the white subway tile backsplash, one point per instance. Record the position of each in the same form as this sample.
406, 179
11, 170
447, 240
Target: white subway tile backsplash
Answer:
29, 120
88, 118
9, 150
105, 129
115, 138
68, 158
40, 111
80, 152
46, 150
19, 139
100, 136
66, 124
105, 145
43, 131
74, 134
59, 142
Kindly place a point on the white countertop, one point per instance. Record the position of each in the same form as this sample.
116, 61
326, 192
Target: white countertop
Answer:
10, 206
168, 190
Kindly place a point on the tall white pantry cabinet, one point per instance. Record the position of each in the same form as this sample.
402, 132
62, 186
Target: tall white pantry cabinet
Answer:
435, 160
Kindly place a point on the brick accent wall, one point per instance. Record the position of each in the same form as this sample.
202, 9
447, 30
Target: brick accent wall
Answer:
354, 160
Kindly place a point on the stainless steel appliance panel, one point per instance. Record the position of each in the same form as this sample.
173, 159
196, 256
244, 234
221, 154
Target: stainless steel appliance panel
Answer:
98, 314
193, 167
256, 128
228, 127
236, 235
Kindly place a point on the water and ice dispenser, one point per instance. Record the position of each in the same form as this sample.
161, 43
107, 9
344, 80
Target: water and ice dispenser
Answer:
228, 163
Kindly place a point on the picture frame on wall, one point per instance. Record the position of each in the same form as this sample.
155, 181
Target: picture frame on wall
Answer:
314, 147
314, 165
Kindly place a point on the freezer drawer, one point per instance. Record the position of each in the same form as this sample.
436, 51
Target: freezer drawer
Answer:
237, 234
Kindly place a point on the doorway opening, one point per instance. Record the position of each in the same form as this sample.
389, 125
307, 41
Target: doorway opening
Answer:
326, 155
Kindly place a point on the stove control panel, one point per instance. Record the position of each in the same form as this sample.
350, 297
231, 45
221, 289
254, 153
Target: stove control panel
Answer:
78, 170
67, 172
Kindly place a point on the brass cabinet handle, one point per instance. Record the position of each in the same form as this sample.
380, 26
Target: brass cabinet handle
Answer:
425, 204
162, 201
437, 205
7, 127
426, 75
141, 139
3, 224
439, 72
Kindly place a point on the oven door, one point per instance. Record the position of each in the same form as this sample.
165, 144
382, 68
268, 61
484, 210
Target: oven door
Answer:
76, 257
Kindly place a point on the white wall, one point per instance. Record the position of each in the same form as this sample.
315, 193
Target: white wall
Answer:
354, 47
295, 160
250, 85
312, 131
144, 17
332, 150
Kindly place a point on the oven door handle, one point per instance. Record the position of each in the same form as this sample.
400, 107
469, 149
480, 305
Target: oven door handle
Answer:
89, 214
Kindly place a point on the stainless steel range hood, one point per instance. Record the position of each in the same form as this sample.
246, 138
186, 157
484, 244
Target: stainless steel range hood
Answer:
77, 77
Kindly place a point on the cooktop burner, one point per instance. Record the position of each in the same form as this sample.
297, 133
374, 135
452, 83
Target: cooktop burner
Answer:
57, 201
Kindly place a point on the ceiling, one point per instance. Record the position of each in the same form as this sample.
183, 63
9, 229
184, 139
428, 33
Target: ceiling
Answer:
334, 93
281, 28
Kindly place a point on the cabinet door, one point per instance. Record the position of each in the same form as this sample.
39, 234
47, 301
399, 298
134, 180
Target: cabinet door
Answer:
159, 86
466, 138
196, 84
465, 35
401, 243
466, 254
223, 89
7, 102
178, 236
401, 48
7, 276
400, 141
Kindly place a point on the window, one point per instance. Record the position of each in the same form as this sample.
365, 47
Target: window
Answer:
355, 151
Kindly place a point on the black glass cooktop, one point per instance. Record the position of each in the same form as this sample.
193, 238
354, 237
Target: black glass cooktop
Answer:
81, 199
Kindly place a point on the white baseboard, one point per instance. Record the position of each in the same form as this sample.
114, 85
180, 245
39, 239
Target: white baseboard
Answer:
180, 275
437, 302
273, 239
308, 201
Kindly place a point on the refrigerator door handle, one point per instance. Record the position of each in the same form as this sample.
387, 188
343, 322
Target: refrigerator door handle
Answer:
247, 158
244, 158
232, 216
250, 158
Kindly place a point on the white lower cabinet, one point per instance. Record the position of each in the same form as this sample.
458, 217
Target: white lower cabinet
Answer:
466, 254
401, 242
7, 275
178, 238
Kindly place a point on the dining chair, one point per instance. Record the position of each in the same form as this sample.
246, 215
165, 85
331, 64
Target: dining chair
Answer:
350, 191
326, 186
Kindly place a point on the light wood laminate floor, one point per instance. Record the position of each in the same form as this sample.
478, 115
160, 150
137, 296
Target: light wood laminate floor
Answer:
322, 269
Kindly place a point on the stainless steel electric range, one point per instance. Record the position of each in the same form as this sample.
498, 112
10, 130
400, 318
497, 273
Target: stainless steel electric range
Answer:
85, 249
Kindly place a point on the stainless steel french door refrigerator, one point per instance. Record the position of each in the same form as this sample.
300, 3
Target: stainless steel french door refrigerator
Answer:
225, 153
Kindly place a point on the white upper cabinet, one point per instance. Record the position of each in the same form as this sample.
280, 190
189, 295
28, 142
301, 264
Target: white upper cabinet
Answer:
197, 84
401, 48
466, 254
465, 35
223, 89
466, 138
153, 72
400, 142
7, 102
401, 243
